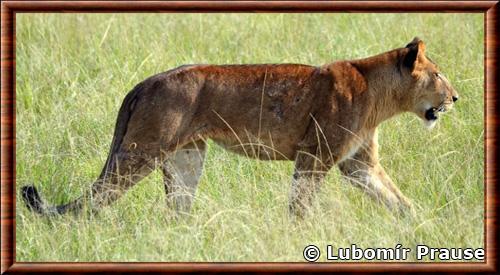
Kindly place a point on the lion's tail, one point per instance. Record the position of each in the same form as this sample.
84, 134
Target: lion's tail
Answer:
34, 202
30, 194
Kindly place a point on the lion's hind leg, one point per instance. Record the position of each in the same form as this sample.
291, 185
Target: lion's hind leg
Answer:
181, 174
128, 168
131, 158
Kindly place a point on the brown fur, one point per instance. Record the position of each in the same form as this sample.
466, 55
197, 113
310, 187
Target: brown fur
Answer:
317, 116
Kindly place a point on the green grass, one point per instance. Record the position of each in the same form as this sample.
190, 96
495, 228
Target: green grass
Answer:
73, 70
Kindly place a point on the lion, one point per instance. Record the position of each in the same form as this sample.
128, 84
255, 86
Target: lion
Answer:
317, 116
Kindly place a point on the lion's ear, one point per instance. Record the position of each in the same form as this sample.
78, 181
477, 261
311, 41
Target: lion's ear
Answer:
415, 54
414, 42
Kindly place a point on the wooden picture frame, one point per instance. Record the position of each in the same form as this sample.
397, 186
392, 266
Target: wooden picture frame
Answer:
9, 9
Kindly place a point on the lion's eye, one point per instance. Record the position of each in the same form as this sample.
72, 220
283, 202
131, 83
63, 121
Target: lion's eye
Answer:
437, 75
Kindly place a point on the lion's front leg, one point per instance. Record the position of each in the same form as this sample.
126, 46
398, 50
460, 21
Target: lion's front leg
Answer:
310, 171
404, 203
364, 171
376, 183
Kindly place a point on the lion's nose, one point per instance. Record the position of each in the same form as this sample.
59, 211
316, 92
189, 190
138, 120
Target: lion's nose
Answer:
455, 98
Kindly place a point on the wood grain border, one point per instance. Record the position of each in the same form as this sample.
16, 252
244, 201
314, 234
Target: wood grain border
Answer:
8, 124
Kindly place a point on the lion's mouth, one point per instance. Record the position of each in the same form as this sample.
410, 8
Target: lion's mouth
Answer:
433, 113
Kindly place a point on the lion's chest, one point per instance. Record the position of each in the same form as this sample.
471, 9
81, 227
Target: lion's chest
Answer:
351, 144
350, 150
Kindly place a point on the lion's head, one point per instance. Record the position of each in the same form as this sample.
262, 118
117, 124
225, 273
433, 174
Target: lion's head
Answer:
431, 90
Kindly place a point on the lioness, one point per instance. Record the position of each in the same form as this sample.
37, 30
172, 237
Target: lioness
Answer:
318, 116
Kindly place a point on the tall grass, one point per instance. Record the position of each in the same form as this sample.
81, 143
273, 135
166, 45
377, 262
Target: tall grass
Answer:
73, 70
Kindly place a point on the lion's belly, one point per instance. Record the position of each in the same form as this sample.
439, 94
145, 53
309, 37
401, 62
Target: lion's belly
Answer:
263, 149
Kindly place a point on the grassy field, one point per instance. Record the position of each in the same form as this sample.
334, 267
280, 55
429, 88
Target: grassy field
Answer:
73, 70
